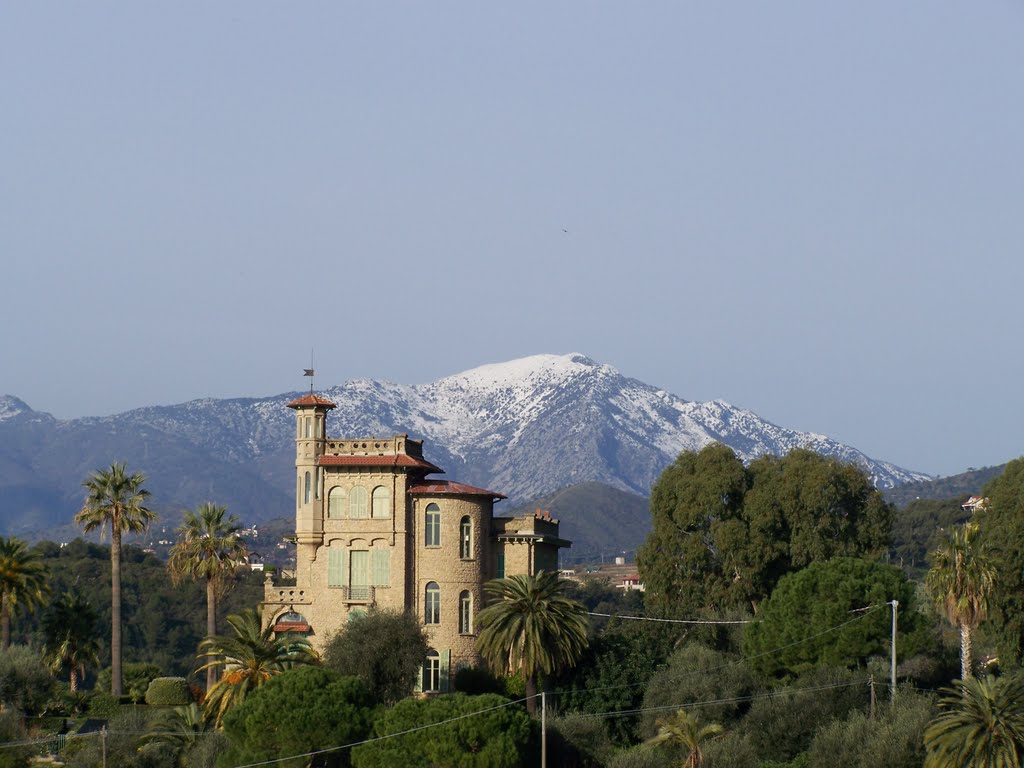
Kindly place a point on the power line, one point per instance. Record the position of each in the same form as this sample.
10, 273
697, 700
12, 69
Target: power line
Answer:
740, 660
672, 621
381, 738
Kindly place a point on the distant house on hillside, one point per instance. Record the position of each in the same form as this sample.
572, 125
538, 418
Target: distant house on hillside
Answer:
372, 529
631, 583
973, 504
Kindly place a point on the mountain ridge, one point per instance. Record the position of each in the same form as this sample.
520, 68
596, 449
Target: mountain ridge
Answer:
526, 427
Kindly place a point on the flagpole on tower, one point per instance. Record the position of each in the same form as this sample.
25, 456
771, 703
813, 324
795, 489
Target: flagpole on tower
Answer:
309, 371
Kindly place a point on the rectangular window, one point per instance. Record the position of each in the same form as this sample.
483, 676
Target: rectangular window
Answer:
432, 527
432, 673
335, 567
465, 613
499, 570
359, 572
309, 427
381, 565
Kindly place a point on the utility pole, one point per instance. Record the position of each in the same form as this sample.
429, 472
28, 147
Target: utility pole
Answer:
103, 738
871, 682
543, 730
892, 676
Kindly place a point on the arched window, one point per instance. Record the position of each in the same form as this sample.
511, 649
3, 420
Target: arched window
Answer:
316, 484
381, 503
432, 604
336, 503
432, 672
466, 613
466, 538
308, 487
432, 527
357, 503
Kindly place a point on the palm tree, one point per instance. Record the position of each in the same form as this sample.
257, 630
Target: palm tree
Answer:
70, 630
533, 628
982, 725
960, 581
684, 730
209, 547
175, 731
250, 658
117, 499
22, 583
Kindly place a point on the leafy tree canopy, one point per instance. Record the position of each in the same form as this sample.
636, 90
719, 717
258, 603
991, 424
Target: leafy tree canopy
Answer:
1001, 525
384, 649
696, 673
724, 534
497, 734
302, 710
793, 634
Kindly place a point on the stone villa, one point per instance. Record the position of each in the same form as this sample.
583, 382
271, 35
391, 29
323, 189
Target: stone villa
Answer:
373, 530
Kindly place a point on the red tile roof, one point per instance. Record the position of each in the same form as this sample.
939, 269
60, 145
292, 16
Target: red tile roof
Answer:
438, 487
399, 460
311, 399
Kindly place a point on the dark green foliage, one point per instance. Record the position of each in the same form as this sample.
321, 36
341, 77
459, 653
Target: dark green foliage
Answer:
301, 710
613, 673
137, 677
696, 501
892, 739
733, 750
696, 673
124, 731
498, 738
919, 528
643, 756
781, 725
169, 692
724, 534
1002, 533
827, 595
578, 741
13, 729
103, 704
163, 623
473, 681
384, 649
25, 681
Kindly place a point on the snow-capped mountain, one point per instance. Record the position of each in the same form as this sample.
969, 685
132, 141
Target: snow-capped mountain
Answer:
525, 427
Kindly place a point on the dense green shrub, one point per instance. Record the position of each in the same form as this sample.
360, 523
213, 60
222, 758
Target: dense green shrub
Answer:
13, 729
103, 704
781, 726
384, 649
135, 677
474, 681
696, 673
122, 742
733, 750
812, 619
25, 681
301, 710
498, 735
169, 692
578, 741
893, 739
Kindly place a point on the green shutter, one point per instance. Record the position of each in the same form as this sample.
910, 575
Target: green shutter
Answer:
335, 566
500, 566
381, 565
446, 663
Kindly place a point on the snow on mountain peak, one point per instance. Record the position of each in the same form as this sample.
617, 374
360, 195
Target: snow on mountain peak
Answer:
525, 370
10, 406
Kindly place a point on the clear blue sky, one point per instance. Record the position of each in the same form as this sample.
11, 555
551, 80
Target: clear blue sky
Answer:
813, 210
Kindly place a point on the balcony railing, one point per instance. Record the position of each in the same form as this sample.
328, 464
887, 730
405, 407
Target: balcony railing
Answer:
357, 594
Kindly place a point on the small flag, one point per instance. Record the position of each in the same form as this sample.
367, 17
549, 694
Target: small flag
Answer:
307, 371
